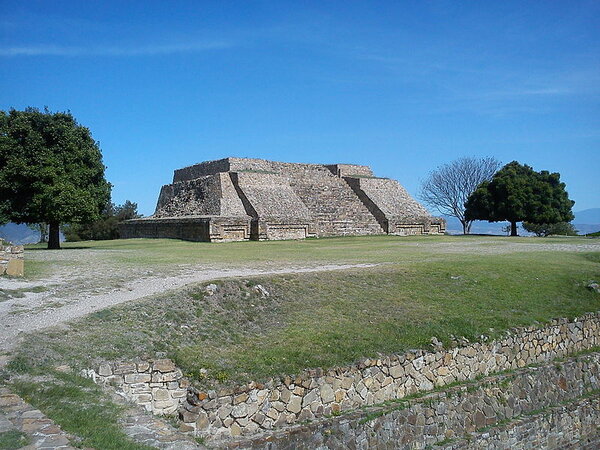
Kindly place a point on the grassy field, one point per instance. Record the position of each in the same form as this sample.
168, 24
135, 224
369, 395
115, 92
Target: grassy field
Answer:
421, 287
330, 318
367, 249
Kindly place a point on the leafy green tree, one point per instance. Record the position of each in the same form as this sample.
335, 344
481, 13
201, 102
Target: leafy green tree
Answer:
104, 228
518, 193
51, 171
549, 229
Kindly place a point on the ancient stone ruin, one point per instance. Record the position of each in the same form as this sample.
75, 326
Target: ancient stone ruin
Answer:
12, 262
236, 199
311, 400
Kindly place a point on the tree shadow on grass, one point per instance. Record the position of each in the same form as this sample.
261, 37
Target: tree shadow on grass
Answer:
81, 247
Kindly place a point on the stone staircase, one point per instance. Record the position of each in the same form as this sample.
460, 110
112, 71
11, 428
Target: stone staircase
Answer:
333, 205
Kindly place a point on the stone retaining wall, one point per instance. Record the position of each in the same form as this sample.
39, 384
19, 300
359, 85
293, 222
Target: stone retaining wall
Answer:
318, 393
12, 261
314, 394
213, 228
553, 406
157, 385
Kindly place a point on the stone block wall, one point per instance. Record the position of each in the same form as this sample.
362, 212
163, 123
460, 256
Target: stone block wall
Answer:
540, 407
201, 169
316, 393
397, 212
350, 170
271, 196
12, 259
202, 229
208, 195
156, 385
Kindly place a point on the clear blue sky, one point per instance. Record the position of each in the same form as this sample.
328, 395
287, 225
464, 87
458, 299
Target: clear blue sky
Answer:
400, 86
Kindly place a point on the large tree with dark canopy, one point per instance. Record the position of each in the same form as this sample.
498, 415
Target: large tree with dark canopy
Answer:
518, 193
51, 171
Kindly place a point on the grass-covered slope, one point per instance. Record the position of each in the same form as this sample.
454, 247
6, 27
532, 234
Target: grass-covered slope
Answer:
330, 318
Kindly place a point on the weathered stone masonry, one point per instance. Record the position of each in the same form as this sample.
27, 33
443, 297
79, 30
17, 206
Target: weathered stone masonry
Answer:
316, 393
239, 199
157, 385
11, 259
552, 406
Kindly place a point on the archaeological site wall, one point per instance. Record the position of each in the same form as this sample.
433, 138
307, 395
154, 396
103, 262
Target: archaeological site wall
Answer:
314, 395
550, 407
282, 201
12, 262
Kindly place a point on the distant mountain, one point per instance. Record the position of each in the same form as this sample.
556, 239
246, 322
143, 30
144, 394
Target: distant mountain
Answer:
586, 228
589, 216
453, 226
19, 233
586, 221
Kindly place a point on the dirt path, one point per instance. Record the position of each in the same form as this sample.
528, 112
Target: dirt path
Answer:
45, 309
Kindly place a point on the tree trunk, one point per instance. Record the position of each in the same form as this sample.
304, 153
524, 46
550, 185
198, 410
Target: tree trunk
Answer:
43, 229
513, 229
54, 236
465, 225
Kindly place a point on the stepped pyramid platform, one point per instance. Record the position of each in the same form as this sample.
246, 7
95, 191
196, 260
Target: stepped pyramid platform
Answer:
236, 199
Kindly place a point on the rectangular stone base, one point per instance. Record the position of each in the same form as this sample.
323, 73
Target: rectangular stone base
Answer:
199, 229
15, 268
275, 230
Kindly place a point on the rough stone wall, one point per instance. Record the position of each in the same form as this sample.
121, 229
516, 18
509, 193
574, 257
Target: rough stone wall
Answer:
545, 407
201, 169
204, 196
316, 393
392, 199
271, 196
201, 229
157, 385
350, 170
277, 211
333, 205
12, 260
393, 206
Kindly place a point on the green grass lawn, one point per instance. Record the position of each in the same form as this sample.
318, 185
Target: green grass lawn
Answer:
422, 287
363, 249
331, 318
79, 406
13, 439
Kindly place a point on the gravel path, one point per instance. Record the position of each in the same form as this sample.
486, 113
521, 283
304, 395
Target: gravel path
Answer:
45, 309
